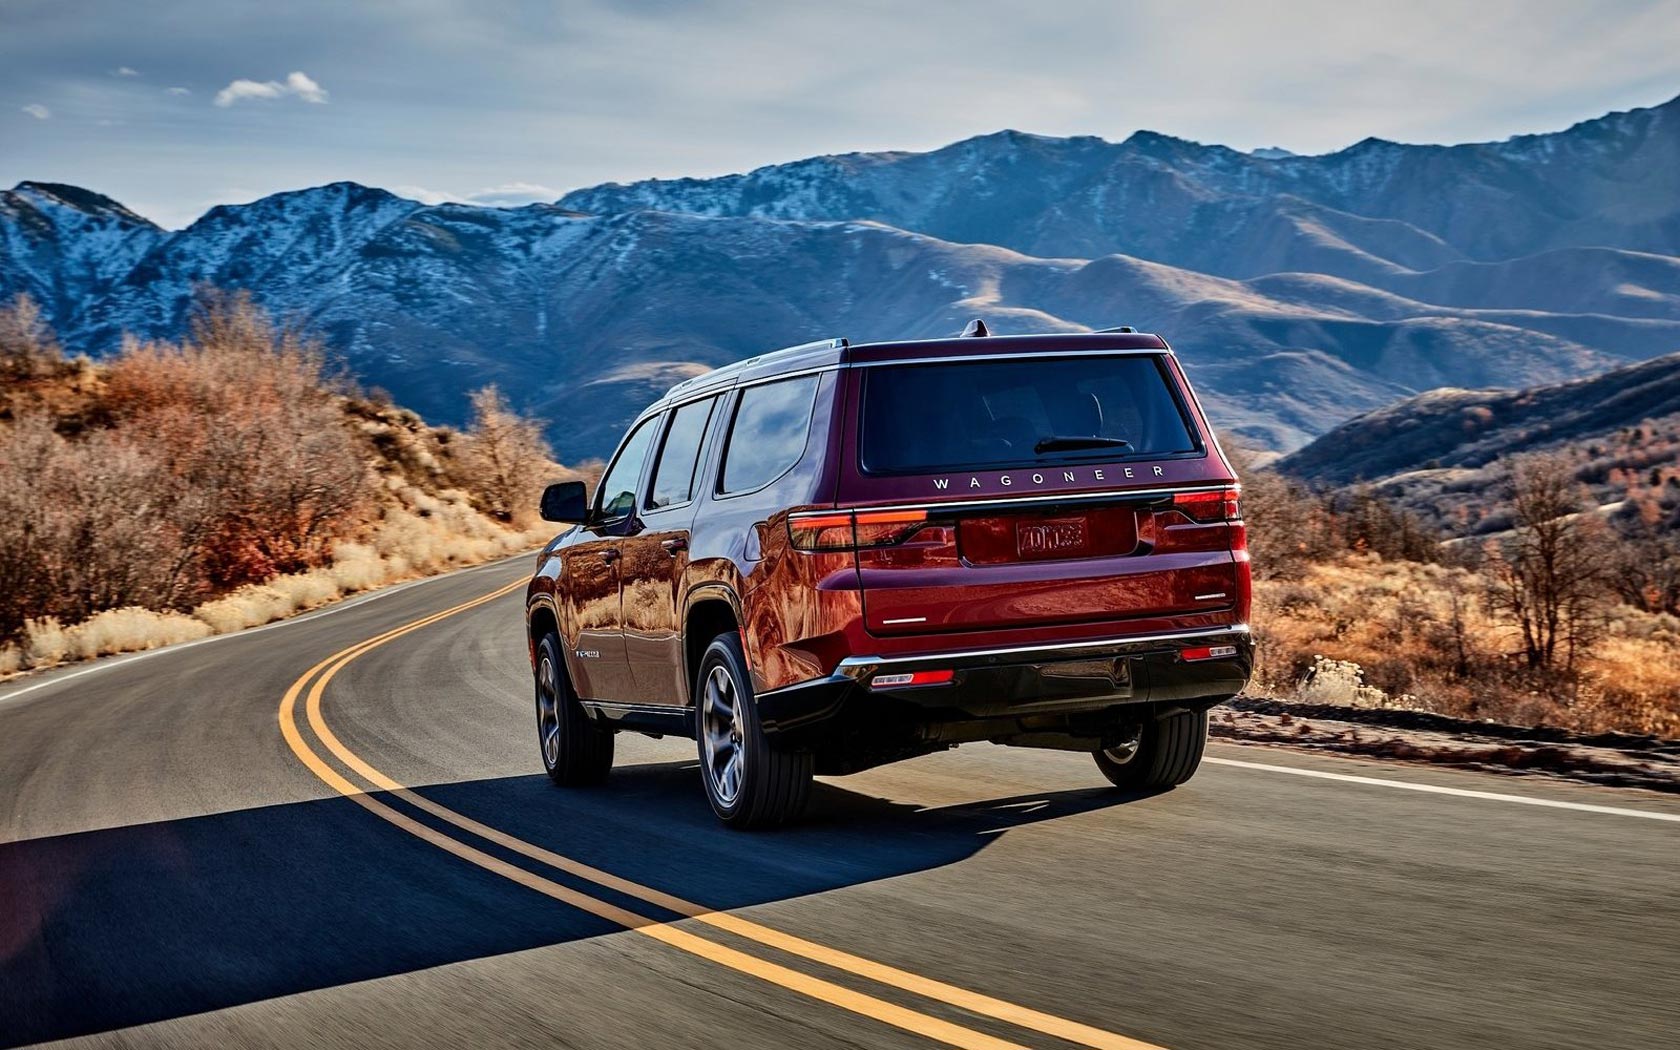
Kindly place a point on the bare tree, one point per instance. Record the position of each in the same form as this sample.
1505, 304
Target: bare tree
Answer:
1645, 570
28, 349
1547, 576
506, 458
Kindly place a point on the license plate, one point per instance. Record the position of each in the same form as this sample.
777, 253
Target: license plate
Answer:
1048, 539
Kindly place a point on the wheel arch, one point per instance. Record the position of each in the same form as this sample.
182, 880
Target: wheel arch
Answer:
540, 619
709, 612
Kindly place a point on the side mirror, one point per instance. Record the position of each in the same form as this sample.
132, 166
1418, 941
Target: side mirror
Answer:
566, 502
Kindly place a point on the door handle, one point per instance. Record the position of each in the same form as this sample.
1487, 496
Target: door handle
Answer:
609, 555
674, 545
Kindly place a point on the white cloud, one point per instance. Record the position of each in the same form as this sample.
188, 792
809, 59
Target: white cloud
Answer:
297, 84
507, 195
177, 91
38, 111
125, 71
513, 194
425, 196
300, 85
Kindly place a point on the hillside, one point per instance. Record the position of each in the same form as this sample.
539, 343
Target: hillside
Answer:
1301, 290
1436, 453
179, 490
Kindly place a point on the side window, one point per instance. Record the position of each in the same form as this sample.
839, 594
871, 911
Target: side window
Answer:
616, 496
768, 434
673, 473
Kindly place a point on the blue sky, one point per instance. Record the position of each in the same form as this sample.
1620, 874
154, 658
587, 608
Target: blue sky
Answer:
174, 105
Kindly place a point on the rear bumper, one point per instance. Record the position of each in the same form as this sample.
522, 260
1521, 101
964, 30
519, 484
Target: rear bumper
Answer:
1022, 681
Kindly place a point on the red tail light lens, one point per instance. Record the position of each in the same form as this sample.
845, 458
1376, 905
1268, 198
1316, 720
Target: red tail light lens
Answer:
850, 530
1209, 507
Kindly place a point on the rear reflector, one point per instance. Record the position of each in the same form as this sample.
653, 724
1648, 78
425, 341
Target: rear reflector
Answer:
1207, 652
914, 678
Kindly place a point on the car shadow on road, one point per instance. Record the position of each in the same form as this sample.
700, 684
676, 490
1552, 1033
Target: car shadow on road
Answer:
107, 929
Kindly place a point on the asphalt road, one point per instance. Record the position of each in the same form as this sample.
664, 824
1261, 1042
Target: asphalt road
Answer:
180, 865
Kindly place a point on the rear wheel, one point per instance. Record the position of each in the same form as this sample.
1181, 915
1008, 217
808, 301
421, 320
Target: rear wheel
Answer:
749, 782
1165, 753
575, 750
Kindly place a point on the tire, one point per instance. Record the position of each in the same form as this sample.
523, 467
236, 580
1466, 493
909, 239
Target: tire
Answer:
749, 782
575, 751
1168, 751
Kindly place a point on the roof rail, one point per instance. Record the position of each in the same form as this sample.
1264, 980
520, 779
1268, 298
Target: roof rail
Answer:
724, 371
1124, 329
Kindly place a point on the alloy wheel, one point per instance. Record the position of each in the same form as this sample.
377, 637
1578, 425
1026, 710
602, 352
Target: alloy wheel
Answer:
721, 729
548, 711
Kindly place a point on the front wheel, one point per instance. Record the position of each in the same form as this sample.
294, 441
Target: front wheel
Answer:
749, 782
575, 751
1165, 753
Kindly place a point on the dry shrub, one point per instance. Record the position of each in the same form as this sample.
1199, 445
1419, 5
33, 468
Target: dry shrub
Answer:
82, 526
1362, 631
228, 481
225, 461
1638, 681
428, 534
356, 567
244, 421
445, 533
249, 606
45, 641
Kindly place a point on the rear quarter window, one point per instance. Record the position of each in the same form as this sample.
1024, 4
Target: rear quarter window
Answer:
768, 434
993, 415
674, 470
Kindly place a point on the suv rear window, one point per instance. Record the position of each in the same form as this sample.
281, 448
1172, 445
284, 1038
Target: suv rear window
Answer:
983, 415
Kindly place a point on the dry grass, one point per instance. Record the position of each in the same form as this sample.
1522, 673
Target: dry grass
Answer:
126, 630
1360, 631
440, 534
435, 535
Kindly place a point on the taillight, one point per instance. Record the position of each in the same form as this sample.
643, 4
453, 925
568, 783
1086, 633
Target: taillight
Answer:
1209, 507
849, 530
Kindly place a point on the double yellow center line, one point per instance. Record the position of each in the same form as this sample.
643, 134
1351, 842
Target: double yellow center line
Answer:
315, 681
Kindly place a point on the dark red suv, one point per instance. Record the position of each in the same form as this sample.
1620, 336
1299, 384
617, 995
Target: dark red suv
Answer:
832, 557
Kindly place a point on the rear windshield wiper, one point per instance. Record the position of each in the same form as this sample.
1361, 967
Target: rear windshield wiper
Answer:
1068, 444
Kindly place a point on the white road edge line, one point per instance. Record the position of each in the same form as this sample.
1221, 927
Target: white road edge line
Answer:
106, 663
1436, 789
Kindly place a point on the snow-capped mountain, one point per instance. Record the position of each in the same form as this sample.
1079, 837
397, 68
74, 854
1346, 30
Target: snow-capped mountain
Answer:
66, 246
1301, 290
284, 248
1368, 212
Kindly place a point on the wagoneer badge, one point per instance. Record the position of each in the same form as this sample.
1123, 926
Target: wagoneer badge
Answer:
1037, 478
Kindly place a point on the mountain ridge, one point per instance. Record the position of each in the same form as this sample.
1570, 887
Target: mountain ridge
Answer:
582, 308
1206, 186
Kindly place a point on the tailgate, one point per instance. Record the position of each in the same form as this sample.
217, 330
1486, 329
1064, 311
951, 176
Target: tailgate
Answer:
1005, 565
